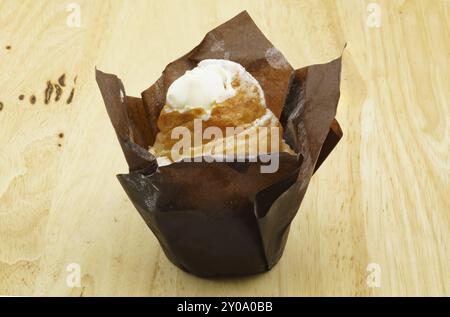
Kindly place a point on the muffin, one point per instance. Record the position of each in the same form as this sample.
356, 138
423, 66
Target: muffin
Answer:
225, 217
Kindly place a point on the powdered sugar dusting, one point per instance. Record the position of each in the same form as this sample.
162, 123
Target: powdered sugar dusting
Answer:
276, 59
218, 46
122, 96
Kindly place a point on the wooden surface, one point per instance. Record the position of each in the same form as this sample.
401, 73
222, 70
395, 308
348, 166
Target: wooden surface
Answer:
382, 196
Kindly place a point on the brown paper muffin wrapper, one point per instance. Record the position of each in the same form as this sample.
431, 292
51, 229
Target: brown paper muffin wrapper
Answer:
227, 218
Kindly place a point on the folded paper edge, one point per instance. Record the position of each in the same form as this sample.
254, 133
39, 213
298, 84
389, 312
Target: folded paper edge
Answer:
333, 137
305, 108
116, 102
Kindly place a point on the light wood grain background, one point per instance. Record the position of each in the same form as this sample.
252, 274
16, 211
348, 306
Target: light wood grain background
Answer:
382, 196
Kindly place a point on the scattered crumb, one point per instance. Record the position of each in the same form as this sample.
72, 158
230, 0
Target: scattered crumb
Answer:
21, 97
62, 80
33, 99
69, 100
59, 92
48, 92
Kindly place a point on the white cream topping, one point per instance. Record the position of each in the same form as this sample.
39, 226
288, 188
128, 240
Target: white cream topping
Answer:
207, 84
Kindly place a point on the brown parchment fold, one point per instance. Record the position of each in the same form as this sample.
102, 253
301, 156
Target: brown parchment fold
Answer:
227, 218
